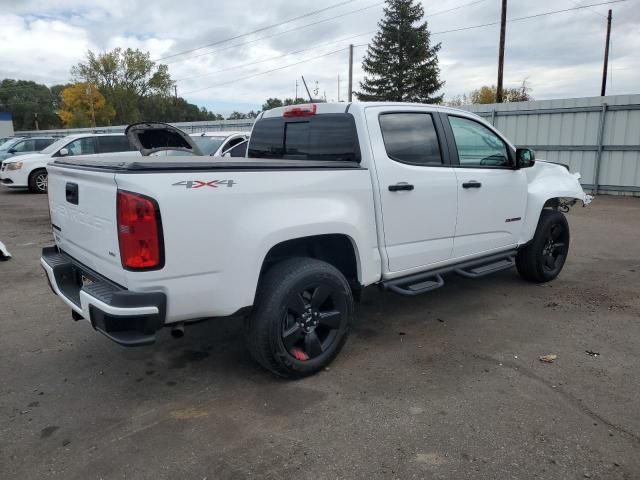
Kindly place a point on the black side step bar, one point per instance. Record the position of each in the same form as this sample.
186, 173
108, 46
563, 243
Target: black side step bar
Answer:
427, 284
486, 269
426, 281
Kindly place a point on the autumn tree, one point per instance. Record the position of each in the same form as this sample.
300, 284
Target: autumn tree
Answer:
486, 94
84, 106
401, 65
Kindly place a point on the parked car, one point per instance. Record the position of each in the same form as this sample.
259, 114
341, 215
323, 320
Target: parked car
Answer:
23, 146
216, 143
213, 144
238, 150
29, 171
332, 199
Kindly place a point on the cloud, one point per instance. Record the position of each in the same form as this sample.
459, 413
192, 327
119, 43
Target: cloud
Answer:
560, 55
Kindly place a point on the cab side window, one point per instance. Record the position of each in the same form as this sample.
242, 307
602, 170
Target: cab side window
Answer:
114, 144
410, 137
25, 146
43, 143
82, 146
477, 145
240, 150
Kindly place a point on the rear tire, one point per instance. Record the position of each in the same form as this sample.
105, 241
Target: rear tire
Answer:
38, 181
301, 317
543, 258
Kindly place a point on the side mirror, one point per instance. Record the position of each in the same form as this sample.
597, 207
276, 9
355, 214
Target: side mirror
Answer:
64, 152
525, 158
12, 151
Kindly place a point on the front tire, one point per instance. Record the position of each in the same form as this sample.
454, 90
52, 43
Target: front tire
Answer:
39, 181
301, 317
543, 258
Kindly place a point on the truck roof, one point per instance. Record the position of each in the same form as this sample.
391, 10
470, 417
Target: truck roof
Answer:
344, 107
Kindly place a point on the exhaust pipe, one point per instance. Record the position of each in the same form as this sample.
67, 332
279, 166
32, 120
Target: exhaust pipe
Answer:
177, 331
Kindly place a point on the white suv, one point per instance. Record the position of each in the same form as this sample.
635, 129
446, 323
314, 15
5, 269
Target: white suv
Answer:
29, 171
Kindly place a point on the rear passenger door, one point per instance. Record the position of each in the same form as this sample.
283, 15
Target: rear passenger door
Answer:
416, 186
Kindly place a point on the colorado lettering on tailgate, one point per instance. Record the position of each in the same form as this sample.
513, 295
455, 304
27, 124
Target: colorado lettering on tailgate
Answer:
202, 183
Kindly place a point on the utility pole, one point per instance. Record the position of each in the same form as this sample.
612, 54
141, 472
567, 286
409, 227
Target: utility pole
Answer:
503, 28
338, 88
175, 91
350, 82
35, 119
603, 90
295, 99
307, 88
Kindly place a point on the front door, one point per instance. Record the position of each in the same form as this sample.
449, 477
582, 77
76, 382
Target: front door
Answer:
492, 195
416, 187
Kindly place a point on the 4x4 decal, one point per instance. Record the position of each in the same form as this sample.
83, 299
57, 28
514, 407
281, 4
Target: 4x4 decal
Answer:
201, 183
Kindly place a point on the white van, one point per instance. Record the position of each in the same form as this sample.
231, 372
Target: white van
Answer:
30, 171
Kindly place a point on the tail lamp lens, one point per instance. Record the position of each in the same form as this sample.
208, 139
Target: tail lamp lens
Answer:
139, 231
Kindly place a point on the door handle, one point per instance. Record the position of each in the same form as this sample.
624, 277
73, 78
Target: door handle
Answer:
400, 186
471, 184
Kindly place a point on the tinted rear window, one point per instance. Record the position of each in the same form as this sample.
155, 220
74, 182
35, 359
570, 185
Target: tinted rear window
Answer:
321, 137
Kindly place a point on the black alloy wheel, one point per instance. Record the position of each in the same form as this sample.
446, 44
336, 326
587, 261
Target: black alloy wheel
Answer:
311, 322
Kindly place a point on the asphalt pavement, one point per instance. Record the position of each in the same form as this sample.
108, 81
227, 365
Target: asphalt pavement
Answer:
447, 385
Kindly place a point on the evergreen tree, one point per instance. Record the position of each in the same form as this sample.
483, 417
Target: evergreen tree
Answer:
401, 65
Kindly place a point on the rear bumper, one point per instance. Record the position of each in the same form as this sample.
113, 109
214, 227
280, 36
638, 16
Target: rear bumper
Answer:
128, 318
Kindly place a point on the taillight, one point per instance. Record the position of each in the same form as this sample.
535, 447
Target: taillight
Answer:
139, 231
300, 110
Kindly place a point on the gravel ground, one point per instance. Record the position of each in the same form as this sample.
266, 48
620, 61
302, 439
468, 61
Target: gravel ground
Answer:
447, 385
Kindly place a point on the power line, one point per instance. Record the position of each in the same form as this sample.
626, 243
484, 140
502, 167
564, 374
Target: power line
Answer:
527, 17
310, 48
592, 11
309, 14
317, 23
454, 8
278, 33
234, 67
267, 71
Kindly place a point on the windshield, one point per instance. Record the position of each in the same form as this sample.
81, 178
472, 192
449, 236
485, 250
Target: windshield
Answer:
55, 146
208, 145
8, 143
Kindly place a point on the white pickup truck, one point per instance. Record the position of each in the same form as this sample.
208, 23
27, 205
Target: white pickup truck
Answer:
332, 198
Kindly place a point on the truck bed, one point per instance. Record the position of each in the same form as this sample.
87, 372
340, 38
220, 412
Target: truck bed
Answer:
155, 164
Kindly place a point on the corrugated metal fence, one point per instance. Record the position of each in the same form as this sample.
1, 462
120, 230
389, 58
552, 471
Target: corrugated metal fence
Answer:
596, 136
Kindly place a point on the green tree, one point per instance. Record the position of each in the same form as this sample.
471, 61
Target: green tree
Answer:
295, 101
237, 116
401, 64
29, 102
125, 78
271, 103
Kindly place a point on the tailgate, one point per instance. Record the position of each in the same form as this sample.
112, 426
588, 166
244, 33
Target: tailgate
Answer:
83, 214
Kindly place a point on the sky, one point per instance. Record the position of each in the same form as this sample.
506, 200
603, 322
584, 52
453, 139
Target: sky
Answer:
559, 55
